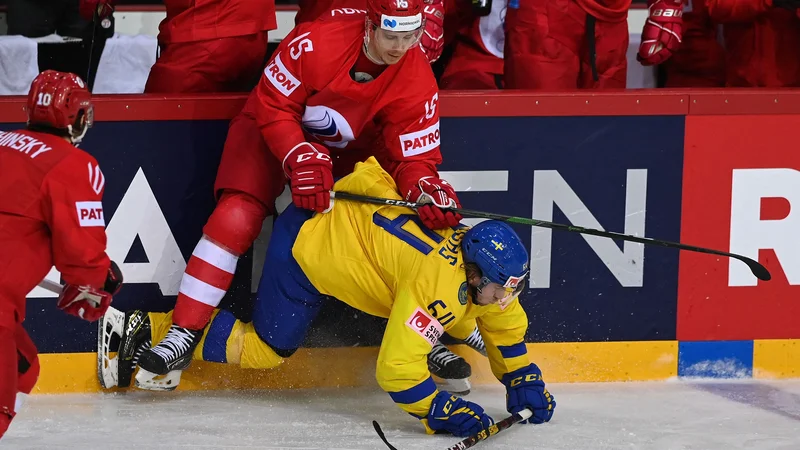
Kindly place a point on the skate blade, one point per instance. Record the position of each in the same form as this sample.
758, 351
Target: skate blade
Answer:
112, 322
458, 386
153, 382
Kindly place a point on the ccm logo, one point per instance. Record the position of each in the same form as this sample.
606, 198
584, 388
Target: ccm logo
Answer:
90, 214
420, 141
425, 325
280, 77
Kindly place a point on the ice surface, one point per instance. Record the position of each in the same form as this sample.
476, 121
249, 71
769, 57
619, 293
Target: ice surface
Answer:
665, 415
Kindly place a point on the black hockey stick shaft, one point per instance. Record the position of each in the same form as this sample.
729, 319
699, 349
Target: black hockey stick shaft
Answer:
475, 438
758, 270
95, 16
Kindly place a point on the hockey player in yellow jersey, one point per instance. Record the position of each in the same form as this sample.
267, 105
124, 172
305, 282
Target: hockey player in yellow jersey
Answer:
382, 260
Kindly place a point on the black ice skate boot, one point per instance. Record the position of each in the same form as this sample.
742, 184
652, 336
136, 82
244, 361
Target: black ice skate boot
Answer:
160, 368
133, 329
453, 369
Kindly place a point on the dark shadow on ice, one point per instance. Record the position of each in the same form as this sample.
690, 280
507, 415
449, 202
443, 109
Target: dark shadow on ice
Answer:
758, 395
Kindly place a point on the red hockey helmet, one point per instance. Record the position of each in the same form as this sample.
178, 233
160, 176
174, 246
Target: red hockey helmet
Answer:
59, 100
395, 15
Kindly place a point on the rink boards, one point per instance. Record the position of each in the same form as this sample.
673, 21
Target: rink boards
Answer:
719, 170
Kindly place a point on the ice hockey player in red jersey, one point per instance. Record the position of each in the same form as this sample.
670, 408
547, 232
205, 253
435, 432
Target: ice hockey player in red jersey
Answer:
566, 44
50, 214
332, 94
431, 43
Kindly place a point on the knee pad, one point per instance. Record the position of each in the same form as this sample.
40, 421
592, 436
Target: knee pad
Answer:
236, 221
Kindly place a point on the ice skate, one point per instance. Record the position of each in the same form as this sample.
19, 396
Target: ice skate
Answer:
451, 368
160, 368
133, 329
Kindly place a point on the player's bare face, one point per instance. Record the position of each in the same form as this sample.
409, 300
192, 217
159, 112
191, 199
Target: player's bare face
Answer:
390, 46
494, 293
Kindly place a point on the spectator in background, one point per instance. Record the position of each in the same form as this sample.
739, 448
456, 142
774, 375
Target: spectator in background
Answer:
66, 18
477, 60
211, 46
699, 60
566, 44
762, 40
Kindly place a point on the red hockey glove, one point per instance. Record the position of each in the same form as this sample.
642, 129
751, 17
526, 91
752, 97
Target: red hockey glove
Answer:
432, 41
441, 195
662, 33
87, 302
310, 172
104, 9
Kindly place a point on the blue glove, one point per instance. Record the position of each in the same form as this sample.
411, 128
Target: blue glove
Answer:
457, 416
525, 389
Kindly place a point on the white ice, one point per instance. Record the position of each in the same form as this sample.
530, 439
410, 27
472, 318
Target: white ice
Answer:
660, 415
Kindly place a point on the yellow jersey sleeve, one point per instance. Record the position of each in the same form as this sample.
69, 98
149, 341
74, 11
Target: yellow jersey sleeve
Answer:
503, 331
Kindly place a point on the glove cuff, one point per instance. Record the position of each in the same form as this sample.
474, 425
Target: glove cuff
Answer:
528, 374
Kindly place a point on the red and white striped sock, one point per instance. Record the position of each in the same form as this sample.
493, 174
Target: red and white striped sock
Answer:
208, 276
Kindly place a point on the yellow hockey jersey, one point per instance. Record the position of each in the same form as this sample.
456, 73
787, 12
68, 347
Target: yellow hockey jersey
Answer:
380, 259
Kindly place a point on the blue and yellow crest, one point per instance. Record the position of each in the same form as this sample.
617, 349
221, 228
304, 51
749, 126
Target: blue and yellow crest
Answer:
462, 293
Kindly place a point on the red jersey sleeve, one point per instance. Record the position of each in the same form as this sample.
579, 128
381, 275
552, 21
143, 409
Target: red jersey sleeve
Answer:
730, 11
282, 93
410, 131
72, 194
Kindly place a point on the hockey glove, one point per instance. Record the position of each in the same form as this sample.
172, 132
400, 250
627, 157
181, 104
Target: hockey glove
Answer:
310, 171
437, 195
455, 415
87, 302
525, 390
432, 40
104, 9
662, 32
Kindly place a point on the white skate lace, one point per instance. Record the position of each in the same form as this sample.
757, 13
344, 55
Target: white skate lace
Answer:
475, 340
142, 348
175, 344
442, 355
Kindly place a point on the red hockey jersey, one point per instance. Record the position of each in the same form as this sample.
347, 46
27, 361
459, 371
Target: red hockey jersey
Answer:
761, 43
50, 213
200, 20
307, 92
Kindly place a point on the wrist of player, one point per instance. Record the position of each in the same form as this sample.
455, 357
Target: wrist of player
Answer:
432, 40
438, 197
525, 389
454, 415
89, 302
88, 8
662, 32
310, 171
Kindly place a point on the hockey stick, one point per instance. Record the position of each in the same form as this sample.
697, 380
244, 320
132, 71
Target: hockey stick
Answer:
758, 270
475, 438
95, 16
51, 286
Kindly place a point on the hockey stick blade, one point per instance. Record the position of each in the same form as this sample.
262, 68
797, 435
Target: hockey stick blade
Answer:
381, 435
492, 430
755, 267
